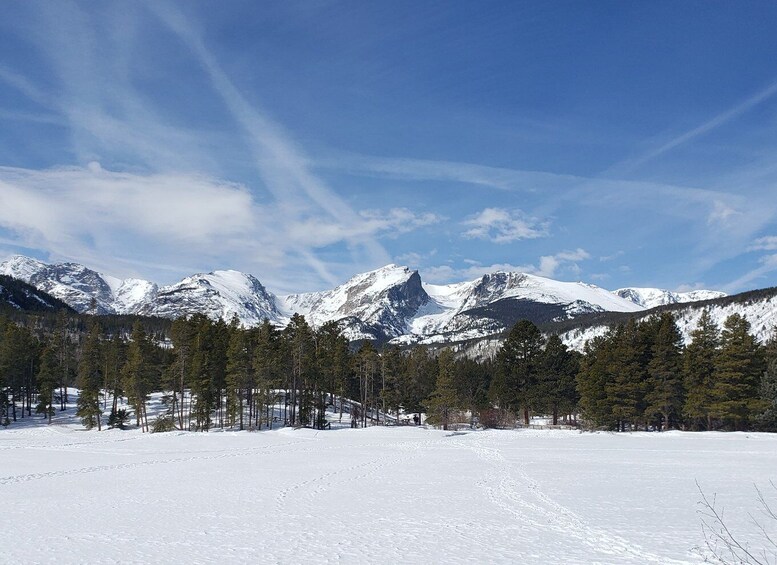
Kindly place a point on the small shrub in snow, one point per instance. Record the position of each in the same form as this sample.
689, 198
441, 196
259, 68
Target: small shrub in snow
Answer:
164, 423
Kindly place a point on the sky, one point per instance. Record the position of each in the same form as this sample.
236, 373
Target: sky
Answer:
616, 143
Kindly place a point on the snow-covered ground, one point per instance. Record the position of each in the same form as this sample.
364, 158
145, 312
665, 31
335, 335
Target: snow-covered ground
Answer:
375, 495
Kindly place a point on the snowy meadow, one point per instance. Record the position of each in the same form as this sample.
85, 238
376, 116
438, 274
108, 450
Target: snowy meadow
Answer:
380, 494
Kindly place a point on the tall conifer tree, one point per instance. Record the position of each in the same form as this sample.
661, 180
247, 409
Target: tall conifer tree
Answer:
444, 400
47, 380
665, 381
89, 380
738, 371
699, 372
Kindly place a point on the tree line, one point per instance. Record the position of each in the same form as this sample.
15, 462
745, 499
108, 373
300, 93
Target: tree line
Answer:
218, 374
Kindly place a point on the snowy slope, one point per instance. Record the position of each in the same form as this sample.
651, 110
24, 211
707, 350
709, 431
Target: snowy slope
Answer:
383, 301
651, 297
82, 288
759, 308
400, 494
390, 303
492, 303
218, 295
20, 295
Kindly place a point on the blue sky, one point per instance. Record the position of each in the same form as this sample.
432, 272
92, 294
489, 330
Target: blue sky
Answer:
618, 143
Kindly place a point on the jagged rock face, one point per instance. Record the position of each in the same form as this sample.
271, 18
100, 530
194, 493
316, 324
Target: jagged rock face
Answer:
387, 303
130, 296
218, 295
83, 289
382, 301
493, 303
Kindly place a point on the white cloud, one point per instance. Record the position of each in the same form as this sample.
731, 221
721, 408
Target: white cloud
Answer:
414, 259
88, 213
691, 287
321, 231
398, 220
442, 274
722, 213
548, 266
118, 222
612, 257
281, 163
768, 264
767, 243
702, 129
113, 120
504, 226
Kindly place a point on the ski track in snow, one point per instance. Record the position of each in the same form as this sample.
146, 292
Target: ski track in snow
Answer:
514, 497
365, 496
220, 454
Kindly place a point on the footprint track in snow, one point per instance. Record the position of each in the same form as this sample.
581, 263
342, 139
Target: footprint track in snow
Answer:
513, 495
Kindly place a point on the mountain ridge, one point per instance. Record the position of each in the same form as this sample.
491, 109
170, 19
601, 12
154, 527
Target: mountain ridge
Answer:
388, 304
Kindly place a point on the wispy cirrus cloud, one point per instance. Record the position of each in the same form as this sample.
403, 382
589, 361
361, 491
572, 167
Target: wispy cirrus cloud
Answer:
127, 223
766, 243
281, 163
282, 218
321, 231
504, 226
713, 123
766, 264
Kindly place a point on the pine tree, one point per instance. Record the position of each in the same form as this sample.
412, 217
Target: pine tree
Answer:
596, 372
665, 387
367, 370
738, 371
471, 381
18, 353
625, 391
137, 377
206, 376
239, 372
183, 333
557, 392
418, 379
115, 357
699, 372
332, 361
266, 362
515, 384
444, 400
89, 380
62, 342
47, 380
301, 350
767, 420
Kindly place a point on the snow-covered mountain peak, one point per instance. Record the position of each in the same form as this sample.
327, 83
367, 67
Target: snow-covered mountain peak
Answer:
82, 288
390, 302
218, 294
648, 298
541, 289
382, 299
21, 267
493, 302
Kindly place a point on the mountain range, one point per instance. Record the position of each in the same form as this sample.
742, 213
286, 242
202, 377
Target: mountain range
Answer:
388, 304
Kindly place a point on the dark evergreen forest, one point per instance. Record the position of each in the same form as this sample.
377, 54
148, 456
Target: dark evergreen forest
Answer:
638, 376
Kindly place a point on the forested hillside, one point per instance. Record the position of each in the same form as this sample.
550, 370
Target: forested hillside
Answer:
639, 375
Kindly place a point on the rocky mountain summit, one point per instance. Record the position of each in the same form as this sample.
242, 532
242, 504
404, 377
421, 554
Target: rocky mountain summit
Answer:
391, 303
